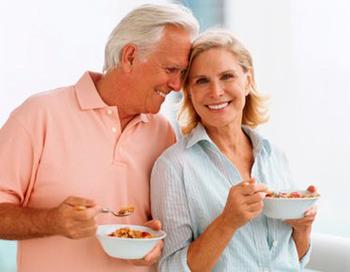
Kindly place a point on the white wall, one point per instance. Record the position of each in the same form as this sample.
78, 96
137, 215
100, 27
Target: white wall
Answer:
48, 44
302, 59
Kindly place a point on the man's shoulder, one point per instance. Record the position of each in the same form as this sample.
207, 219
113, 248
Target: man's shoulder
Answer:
40, 105
49, 98
158, 123
157, 118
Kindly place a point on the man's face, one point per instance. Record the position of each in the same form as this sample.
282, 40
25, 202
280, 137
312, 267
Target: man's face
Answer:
161, 71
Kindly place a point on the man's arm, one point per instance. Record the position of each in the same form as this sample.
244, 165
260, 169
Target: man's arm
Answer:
19, 223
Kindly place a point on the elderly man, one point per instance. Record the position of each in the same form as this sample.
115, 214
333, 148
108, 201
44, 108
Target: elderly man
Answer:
93, 145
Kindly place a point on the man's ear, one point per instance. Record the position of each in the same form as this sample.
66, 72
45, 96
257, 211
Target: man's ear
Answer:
128, 56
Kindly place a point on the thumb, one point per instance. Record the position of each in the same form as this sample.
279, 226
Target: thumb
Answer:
154, 224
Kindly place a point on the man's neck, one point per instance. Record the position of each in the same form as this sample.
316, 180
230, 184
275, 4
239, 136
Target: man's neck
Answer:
111, 93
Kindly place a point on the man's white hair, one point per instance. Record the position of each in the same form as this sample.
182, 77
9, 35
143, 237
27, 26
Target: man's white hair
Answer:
144, 27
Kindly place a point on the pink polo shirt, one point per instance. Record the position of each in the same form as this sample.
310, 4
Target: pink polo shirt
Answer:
69, 142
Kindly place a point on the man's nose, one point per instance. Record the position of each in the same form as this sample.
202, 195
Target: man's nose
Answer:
175, 83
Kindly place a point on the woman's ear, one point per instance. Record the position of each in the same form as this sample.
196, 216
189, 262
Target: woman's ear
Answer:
128, 57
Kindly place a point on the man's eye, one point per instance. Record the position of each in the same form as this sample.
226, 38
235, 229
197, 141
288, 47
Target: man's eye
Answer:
171, 70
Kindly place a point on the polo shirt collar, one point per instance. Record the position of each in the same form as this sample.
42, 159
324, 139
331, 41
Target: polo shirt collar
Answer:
89, 98
87, 94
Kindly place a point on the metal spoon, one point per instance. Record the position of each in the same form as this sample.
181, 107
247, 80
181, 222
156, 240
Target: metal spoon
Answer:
126, 211
121, 213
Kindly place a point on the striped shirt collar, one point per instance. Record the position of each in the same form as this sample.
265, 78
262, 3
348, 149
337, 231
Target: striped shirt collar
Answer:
199, 134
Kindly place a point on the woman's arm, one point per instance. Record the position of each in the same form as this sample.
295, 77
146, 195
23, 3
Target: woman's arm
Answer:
302, 230
205, 251
244, 203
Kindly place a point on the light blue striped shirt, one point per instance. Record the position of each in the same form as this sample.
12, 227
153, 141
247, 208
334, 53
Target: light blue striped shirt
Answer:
189, 187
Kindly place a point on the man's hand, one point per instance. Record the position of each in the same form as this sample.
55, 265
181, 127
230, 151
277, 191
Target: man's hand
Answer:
153, 256
74, 218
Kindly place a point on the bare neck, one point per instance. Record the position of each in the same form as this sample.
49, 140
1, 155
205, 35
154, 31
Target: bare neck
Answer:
230, 139
236, 146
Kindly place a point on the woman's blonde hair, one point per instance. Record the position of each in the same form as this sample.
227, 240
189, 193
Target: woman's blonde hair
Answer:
255, 111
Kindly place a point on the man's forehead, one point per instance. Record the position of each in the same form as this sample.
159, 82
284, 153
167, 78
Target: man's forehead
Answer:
177, 58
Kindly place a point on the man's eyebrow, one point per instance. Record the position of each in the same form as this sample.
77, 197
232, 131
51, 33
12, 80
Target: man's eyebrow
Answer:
177, 66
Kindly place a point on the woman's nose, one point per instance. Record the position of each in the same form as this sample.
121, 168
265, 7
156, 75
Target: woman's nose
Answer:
216, 89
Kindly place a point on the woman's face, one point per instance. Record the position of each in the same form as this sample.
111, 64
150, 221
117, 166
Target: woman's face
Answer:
218, 87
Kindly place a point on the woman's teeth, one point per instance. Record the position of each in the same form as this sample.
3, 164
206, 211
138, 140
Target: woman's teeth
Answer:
218, 106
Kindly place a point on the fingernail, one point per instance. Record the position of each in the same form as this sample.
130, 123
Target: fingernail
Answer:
80, 208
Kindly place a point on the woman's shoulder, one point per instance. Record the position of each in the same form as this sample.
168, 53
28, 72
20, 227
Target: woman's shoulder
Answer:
175, 152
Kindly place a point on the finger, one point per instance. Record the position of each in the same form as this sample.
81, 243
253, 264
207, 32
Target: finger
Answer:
138, 262
155, 253
256, 207
79, 202
154, 224
311, 211
300, 222
254, 198
89, 231
151, 258
254, 188
88, 214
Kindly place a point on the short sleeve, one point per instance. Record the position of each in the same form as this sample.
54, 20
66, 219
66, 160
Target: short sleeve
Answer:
16, 162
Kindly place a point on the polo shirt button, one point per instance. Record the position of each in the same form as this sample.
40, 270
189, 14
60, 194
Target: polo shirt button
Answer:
109, 112
114, 130
274, 243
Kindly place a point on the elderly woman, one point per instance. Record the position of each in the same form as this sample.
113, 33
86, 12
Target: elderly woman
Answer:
208, 189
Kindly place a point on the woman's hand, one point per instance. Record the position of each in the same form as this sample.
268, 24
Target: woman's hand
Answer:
244, 202
302, 227
304, 224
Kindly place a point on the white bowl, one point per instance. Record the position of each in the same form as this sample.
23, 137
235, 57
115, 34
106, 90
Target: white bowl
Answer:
288, 208
127, 248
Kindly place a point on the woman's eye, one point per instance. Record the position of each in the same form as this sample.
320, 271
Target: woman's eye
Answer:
201, 81
227, 76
